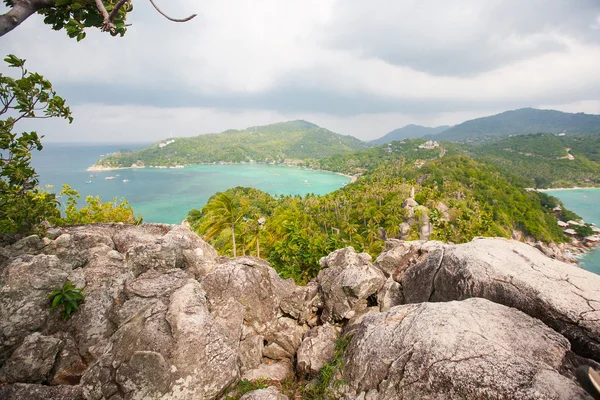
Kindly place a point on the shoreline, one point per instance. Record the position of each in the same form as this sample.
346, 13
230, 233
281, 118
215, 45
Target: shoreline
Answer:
97, 168
568, 188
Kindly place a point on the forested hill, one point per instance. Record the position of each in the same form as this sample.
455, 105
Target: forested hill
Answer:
275, 142
520, 122
409, 131
546, 160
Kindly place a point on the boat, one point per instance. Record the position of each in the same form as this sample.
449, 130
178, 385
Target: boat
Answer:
88, 182
110, 178
125, 180
305, 181
92, 176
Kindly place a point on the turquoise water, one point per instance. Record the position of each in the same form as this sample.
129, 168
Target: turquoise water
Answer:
586, 203
166, 195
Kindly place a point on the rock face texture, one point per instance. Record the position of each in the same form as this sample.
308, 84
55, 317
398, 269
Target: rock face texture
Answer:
456, 350
512, 273
165, 318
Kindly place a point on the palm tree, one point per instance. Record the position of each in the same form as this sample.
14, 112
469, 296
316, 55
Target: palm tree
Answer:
222, 213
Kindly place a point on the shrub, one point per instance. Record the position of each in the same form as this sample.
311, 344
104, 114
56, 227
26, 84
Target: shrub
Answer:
69, 297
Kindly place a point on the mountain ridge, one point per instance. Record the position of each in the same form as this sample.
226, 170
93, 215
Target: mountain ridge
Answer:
410, 131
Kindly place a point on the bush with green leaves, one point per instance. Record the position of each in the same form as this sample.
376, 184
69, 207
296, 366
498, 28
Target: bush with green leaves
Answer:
23, 205
69, 297
95, 210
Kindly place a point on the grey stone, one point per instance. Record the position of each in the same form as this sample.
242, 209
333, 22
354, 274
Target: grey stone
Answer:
251, 353
316, 349
275, 371
390, 295
455, 350
32, 361
270, 393
512, 273
346, 282
20, 391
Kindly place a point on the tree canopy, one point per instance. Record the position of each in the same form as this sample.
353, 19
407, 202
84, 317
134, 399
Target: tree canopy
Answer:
75, 15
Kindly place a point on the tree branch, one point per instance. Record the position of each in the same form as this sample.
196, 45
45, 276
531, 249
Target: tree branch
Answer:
20, 11
169, 18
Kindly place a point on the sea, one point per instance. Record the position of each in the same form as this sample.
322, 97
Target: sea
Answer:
586, 203
167, 195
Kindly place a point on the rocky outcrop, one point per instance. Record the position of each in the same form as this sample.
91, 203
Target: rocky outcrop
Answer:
470, 349
165, 318
347, 281
563, 296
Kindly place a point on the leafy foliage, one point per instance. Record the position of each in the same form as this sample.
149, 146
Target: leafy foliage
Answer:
74, 16
95, 210
295, 140
245, 386
546, 160
480, 201
24, 206
69, 297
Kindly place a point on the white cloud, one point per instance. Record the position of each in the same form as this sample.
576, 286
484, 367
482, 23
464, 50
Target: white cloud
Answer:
449, 61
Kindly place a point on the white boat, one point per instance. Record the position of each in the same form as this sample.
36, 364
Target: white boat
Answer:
110, 178
125, 180
88, 182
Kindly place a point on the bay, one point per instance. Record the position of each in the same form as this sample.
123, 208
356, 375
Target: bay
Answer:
166, 195
586, 203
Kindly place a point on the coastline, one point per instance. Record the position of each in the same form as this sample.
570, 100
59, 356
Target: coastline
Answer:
99, 168
568, 188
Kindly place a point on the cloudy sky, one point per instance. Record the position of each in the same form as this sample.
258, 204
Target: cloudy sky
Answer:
353, 66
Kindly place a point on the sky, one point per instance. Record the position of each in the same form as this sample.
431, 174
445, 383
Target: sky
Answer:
355, 67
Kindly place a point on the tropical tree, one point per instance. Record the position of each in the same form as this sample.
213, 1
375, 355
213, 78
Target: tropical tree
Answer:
221, 213
74, 15
23, 205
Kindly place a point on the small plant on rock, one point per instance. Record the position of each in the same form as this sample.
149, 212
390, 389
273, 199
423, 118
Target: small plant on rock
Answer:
69, 297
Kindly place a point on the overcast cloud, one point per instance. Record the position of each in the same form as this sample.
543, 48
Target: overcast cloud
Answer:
355, 67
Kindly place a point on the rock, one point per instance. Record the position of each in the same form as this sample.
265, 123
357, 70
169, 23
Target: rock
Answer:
347, 281
456, 350
409, 203
276, 371
316, 349
390, 295
193, 327
251, 352
25, 282
270, 393
155, 284
150, 355
512, 273
284, 339
399, 255
20, 391
32, 361
69, 366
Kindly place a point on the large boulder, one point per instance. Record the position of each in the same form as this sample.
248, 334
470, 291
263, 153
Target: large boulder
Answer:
20, 391
150, 355
512, 273
473, 349
249, 300
346, 281
32, 361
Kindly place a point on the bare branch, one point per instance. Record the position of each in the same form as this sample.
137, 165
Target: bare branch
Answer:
20, 11
169, 18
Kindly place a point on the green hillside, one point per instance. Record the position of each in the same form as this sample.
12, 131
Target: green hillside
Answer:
409, 132
520, 122
276, 142
475, 199
543, 159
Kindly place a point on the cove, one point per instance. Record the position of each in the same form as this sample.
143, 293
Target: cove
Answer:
167, 195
